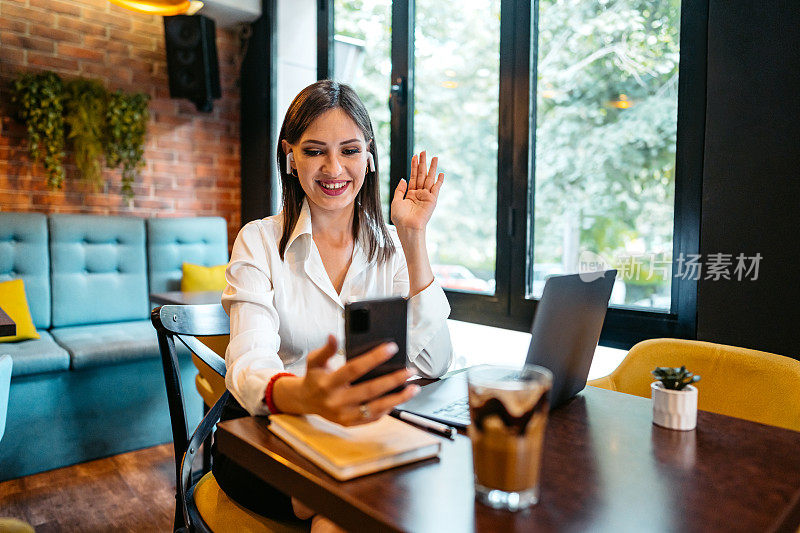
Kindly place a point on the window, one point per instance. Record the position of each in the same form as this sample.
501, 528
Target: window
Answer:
456, 100
570, 132
362, 59
606, 123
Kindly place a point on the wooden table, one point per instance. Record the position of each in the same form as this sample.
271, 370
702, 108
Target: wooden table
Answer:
606, 468
186, 298
7, 326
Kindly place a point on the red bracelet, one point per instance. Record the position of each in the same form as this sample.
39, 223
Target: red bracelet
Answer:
268, 394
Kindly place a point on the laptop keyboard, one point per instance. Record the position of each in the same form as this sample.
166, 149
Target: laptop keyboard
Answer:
458, 410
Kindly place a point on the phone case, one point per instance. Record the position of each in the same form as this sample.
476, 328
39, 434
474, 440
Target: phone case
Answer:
369, 323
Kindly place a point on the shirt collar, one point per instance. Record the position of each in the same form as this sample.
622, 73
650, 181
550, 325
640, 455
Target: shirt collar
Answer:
358, 263
298, 247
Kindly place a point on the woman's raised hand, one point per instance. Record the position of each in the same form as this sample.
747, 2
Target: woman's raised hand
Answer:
331, 395
414, 201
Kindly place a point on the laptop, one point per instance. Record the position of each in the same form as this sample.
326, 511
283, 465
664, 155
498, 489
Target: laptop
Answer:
564, 336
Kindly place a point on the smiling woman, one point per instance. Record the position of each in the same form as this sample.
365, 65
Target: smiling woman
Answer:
332, 131
331, 175
290, 274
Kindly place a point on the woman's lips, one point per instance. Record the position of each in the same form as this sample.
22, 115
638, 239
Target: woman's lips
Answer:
333, 187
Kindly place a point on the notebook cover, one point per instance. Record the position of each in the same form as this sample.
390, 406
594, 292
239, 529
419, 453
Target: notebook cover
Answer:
348, 452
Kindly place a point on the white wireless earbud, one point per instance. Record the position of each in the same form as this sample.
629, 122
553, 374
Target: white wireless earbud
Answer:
289, 161
370, 162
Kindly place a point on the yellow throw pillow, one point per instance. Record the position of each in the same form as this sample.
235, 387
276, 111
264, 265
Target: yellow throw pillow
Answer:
200, 278
14, 303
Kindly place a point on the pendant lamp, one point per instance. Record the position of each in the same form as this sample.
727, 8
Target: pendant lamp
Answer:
166, 8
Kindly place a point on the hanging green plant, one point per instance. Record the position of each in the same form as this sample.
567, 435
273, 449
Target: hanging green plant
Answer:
85, 114
126, 126
40, 104
99, 124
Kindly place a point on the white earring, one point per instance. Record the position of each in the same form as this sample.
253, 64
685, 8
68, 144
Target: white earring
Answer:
289, 161
370, 162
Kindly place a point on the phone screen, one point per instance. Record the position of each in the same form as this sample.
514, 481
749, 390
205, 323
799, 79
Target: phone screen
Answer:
370, 323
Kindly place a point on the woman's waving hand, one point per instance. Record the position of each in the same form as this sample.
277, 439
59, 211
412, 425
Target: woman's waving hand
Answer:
415, 200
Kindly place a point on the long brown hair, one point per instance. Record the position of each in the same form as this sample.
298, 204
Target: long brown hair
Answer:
306, 107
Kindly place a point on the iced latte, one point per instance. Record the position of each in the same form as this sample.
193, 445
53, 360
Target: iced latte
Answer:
508, 408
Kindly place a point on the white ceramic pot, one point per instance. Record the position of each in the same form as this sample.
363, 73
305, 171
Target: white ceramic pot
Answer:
674, 409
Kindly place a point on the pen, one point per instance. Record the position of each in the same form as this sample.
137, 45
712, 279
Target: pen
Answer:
430, 425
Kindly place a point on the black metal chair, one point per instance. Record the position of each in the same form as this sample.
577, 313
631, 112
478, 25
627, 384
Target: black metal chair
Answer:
200, 504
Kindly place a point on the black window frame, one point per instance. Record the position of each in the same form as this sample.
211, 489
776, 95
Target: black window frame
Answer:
508, 307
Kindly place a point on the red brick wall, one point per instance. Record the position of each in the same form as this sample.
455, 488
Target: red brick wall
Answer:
192, 158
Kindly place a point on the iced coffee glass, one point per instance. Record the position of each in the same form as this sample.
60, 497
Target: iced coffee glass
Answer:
509, 408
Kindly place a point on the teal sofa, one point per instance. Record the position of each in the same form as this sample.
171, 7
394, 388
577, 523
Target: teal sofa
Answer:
92, 385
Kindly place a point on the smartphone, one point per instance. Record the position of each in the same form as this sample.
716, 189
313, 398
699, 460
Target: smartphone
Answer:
370, 323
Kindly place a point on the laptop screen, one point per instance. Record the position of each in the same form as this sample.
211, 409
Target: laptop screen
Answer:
566, 329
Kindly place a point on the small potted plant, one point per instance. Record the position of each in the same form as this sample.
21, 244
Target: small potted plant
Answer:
674, 398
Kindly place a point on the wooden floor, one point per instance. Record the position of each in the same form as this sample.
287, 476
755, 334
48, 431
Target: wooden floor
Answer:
128, 492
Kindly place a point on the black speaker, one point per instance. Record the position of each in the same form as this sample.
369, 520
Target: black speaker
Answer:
192, 59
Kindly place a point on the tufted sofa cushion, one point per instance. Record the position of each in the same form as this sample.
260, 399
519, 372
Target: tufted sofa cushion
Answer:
24, 255
106, 344
98, 269
174, 241
37, 356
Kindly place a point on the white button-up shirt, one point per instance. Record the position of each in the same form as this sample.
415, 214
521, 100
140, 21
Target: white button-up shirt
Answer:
282, 309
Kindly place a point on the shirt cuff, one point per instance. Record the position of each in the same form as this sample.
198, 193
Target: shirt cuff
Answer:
250, 387
428, 312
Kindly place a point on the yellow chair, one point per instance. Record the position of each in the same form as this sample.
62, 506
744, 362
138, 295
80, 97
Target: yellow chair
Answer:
757, 386
209, 384
199, 278
201, 506
220, 513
